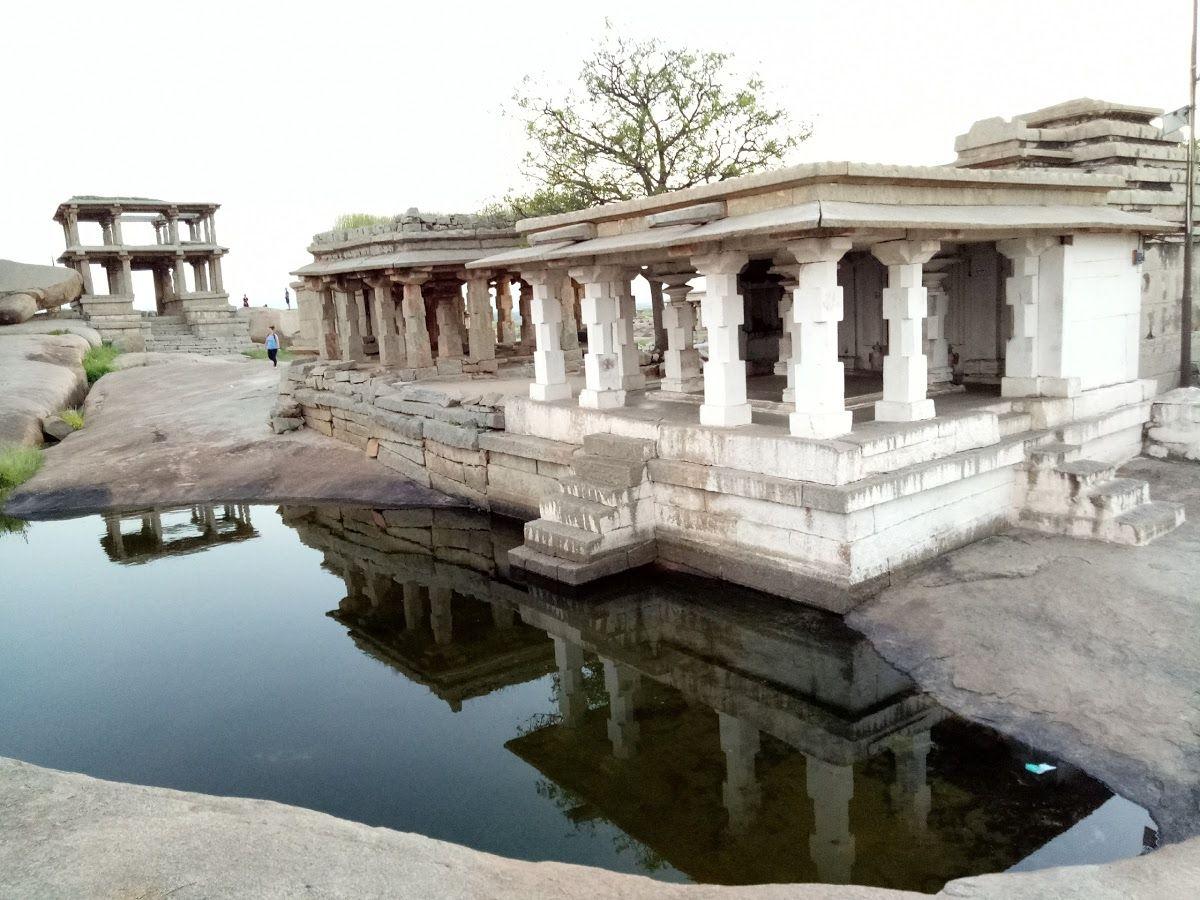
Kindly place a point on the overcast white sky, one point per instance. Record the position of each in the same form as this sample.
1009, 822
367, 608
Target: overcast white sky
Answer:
289, 114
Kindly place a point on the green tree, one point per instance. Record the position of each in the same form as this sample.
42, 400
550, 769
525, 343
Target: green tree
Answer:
646, 118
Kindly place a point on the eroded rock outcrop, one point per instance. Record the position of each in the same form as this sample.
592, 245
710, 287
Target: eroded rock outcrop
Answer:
26, 288
39, 375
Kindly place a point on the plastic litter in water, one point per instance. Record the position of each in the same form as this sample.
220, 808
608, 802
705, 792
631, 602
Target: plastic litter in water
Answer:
1039, 768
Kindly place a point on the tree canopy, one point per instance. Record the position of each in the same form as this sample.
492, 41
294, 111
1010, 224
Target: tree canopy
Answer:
646, 118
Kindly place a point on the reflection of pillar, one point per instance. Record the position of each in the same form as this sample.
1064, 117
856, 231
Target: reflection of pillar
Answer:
910, 793
244, 513
414, 605
831, 844
209, 520
155, 518
440, 616
621, 684
115, 542
740, 793
568, 657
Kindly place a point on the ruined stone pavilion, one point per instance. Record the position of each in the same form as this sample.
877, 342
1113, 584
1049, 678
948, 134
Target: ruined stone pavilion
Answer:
899, 360
199, 308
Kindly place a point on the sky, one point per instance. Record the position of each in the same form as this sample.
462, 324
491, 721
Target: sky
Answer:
290, 114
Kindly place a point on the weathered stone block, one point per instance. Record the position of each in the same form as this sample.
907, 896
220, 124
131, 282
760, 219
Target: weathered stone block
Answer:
457, 489
406, 467
464, 437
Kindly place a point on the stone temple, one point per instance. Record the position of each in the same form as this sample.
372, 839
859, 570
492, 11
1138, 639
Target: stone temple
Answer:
196, 312
891, 361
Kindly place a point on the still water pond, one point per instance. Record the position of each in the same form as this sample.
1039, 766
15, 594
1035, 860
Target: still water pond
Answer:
383, 667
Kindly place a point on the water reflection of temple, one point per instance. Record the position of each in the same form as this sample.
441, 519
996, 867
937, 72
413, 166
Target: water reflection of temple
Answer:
184, 530
736, 738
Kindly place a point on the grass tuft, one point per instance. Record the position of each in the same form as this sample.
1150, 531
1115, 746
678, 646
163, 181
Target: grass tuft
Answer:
58, 332
72, 417
100, 361
18, 465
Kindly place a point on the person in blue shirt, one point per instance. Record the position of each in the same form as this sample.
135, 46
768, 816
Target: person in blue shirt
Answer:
273, 346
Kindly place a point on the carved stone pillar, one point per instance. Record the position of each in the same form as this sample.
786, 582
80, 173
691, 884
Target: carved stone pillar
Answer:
722, 311
1022, 293
905, 302
126, 275
328, 345
628, 360
416, 332
505, 329
601, 367
481, 333
449, 322
349, 328
545, 310
937, 348
681, 359
818, 380
569, 332
524, 301
387, 334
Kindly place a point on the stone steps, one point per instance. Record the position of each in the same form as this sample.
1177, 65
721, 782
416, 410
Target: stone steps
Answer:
600, 520
1085, 498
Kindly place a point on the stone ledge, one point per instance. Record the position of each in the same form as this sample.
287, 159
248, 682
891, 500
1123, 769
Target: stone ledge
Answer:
528, 446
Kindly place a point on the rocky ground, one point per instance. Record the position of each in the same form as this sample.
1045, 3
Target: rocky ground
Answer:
66, 835
1084, 649
40, 374
175, 429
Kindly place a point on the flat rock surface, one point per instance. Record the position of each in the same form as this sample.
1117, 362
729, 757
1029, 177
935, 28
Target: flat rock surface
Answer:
68, 835
1087, 650
39, 375
45, 325
192, 429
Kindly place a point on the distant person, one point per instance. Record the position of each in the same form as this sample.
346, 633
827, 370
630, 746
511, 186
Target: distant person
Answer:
273, 346
287, 299
245, 302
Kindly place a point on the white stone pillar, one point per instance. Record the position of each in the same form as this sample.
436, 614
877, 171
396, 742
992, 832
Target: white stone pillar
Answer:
722, 313
601, 368
937, 347
348, 329
831, 845
212, 227
628, 359
416, 332
572, 703
481, 333
740, 794
905, 302
387, 335
173, 226
1021, 292
622, 684
545, 310
200, 275
681, 358
818, 379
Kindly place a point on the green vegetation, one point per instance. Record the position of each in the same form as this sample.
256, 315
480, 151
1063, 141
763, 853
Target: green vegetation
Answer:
72, 417
100, 361
260, 353
17, 465
646, 118
359, 220
58, 332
